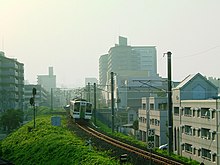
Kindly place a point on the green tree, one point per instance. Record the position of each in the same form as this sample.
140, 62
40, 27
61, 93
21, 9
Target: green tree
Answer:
135, 125
11, 119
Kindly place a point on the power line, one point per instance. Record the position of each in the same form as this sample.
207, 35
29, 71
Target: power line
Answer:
198, 53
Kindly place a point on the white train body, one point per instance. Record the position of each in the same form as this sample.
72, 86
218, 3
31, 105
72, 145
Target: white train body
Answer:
80, 109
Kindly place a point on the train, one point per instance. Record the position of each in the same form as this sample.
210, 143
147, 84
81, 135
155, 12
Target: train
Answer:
80, 109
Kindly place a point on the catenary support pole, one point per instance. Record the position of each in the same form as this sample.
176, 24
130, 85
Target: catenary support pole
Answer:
89, 92
94, 103
170, 105
112, 100
51, 99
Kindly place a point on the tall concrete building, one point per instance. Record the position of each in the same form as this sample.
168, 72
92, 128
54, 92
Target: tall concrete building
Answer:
48, 82
129, 63
122, 59
11, 83
103, 68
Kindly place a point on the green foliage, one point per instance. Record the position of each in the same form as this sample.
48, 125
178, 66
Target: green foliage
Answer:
49, 144
132, 140
177, 157
11, 119
135, 125
121, 136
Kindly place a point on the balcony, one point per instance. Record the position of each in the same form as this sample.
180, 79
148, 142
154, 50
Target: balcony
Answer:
10, 72
198, 121
9, 81
10, 65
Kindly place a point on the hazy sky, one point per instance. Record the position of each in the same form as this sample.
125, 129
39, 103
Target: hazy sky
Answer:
71, 35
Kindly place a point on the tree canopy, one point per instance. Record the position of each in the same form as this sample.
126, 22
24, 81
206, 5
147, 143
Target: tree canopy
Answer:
11, 119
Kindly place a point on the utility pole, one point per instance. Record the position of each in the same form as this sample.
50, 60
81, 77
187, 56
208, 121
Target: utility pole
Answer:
88, 92
112, 100
51, 99
95, 103
170, 105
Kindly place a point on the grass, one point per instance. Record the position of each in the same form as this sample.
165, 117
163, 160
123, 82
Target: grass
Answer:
143, 145
47, 144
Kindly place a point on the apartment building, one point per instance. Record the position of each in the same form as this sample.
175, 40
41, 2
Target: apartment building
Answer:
125, 58
196, 120
128, 63
41, 98
153, 115
11, 83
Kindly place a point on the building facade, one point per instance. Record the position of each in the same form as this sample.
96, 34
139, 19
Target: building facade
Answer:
124, 58
128, 63
41, 98
11, 83
195, 120
103, 68
48, 82
153, 115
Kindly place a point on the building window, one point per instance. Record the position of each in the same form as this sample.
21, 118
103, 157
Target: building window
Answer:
213, 114
188, 147
205, 133
194, 132
162, 106
214, 157
194, 151
199, 132
187, 111
182, 146
157, 122
199, 152
198, 113
151, 106
144, 105
205, 113
152, 121
213, 135
131, 117
188, 130
176, 111
206, 154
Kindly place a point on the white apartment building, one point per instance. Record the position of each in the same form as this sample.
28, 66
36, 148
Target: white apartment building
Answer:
196, 120
195, 130
153, 115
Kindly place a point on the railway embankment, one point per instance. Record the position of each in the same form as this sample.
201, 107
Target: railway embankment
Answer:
48, 144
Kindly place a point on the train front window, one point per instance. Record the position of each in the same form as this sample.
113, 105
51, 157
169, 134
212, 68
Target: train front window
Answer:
76, 107
88, 107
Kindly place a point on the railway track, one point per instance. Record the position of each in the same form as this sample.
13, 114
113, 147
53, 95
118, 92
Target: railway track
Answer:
156, 159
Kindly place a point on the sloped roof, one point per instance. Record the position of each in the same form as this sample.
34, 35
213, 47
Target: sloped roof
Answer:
185, 81
190, 77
